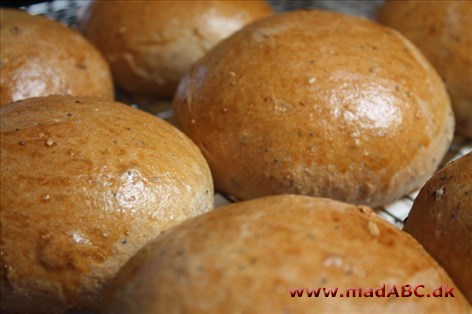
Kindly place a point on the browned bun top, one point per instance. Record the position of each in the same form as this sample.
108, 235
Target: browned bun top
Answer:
85, 183
348, 110
442, 31
441, 220
152, 44
40, 57
246, 257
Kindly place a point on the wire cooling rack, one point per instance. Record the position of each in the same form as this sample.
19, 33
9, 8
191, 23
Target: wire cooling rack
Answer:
65, 11
398, 211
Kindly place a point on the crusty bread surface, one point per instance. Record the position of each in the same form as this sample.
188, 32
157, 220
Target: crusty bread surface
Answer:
442, 31
245, 258
441, 220
348, 110
151, 44
85, 183
40, 57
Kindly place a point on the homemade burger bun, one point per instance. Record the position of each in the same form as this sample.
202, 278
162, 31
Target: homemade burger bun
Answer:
349, 110
151, 44
40, 57
85, 184
245, 258
441, 220
442, 31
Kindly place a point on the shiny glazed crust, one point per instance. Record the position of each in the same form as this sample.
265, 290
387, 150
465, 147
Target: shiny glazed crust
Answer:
84, 185
349, 110
152, 44
245, 257
442, 31
40, 57
441, 220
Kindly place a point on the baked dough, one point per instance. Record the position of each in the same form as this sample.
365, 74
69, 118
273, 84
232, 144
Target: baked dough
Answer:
348, 110
151, 44
245, 258
86, 183
40, 57
441, 220
442, 31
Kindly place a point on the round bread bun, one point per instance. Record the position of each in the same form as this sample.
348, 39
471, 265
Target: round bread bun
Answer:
85, 184
349, 110
245, 258
151, 44
40, 57
441, 220
442, 31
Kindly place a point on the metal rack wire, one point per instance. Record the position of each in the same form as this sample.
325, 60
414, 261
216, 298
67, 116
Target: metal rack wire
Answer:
398, 211
66, 10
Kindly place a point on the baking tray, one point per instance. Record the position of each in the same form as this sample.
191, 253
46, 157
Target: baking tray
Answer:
395, 213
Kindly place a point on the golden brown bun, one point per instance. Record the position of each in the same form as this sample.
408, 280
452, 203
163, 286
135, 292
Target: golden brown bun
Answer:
349, 110
40, 57
441, 220
85, 184
442, 30
152, 44
245, 257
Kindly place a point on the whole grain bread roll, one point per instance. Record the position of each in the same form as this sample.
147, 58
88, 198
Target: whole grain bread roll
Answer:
441, 220
40, 57
85, 184
151, 44
245, 258
442, 31
348, 110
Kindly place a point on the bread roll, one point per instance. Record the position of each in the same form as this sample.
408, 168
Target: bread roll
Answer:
441, 220
85, 184
246, 257
442, 30
40, 57
348, 110
152, 44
